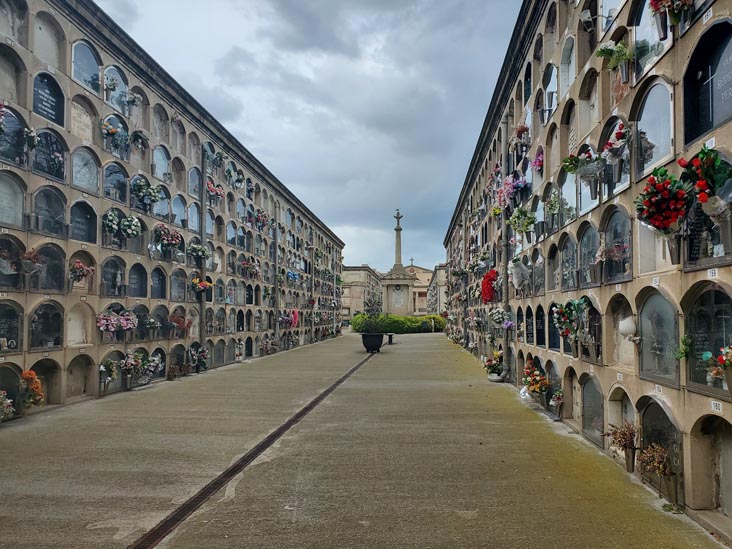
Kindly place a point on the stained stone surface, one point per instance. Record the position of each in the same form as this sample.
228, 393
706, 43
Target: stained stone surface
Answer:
416, 449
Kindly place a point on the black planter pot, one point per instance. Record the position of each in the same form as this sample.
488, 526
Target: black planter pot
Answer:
372, 342
674, 249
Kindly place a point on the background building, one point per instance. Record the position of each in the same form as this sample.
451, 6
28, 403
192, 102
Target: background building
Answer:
556, 98
437, 290
128, 175
359, 285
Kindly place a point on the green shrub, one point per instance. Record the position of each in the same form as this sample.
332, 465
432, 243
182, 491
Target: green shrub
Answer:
385, 323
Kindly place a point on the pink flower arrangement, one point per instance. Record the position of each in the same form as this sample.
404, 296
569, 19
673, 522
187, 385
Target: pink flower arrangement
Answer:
506, 191
110, 321
538, 162
214, 190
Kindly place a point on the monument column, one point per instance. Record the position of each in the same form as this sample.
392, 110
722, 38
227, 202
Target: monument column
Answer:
398, 245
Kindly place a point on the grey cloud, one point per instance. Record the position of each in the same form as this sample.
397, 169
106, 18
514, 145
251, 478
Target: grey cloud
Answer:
124, 12
359, 106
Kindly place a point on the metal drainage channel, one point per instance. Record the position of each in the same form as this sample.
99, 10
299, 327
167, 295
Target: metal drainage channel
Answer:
172, 521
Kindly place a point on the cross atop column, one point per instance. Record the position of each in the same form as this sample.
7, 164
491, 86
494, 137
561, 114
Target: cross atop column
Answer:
398, 217
411, 262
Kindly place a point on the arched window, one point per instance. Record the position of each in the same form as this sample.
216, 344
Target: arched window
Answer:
219, 291
567, 67
194, 183
658, 331
161, 164
194, 217
554, 337
46, 326
707, 240
568, 250
115, 182
178, 282
590, 268
567, 198
11, 325
527, 83
178, 211
210, 222
49, 214
85, 66
115, 88
654, 134
551, 90
592, 411
591, 342
160, 124
158, 284
618, 257
161, 208
137, 286
231, 234
649, 43
552, 275
540, 325
617, 170
706, 105
49, 156
83, 224
709, 327
85, 170
12, 21
115, 137
537, 260
10, 264
588, 186
48, 273
113, 278
48, 99
12, 200
12, 140
529, 326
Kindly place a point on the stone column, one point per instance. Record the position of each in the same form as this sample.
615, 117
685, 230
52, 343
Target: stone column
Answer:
398, 246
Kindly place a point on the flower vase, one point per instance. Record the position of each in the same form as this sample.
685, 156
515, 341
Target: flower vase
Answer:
660, 18
593, 183
725, 231
674, 248
592, 347
575, 349
630, 460
127, 382
624, 69
670, 487
618, 171
728, 379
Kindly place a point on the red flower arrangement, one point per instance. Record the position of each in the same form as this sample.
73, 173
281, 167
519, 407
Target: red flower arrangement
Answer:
214, 190
664, 202
709, 175
487, 292
33, 384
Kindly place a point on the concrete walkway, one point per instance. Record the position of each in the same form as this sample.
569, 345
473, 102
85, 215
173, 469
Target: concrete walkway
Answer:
416, 449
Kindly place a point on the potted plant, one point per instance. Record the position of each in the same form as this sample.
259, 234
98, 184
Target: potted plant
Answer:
655, 459
30, 393
712, 182
663, 204
522, 221
535, 382
623, 438
371, 326
663, 10
618, 58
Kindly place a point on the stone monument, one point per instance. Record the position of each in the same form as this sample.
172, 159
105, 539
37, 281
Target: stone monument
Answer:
398, 283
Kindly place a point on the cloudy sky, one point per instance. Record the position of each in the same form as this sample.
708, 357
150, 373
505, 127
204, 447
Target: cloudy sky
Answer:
358, 106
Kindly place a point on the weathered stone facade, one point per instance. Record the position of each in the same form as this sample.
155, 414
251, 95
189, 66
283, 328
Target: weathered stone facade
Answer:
115, 135
555, 98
